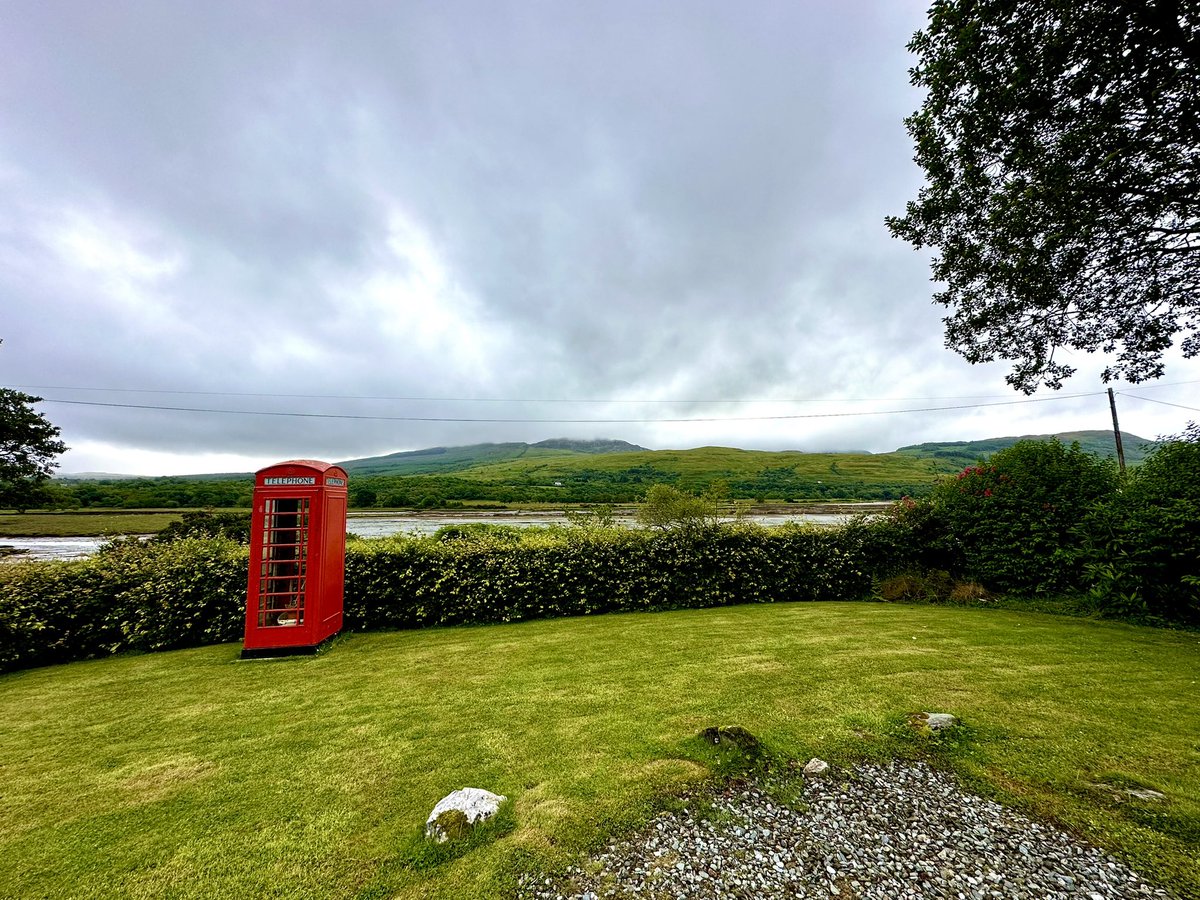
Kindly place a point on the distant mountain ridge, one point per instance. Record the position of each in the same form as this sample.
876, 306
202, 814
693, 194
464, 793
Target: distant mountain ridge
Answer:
1101, 443
456, 459
562, 458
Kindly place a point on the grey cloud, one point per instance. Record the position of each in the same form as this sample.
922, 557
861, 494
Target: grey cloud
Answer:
539, 200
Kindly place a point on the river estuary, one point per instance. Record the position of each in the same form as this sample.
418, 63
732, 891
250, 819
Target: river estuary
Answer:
370, 525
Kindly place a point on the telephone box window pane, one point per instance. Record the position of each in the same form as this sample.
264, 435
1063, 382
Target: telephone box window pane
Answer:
284, 562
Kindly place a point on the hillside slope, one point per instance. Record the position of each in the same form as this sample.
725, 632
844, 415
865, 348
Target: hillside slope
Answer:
602, 471
457, 459
541, 474
965, 453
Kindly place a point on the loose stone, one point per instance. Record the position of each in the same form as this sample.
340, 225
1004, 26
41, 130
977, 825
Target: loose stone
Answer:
816, 767
884, 832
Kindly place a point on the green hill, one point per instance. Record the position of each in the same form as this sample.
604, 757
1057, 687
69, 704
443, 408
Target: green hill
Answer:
599, 471
964, 453
457, 459
562, 472
540, 473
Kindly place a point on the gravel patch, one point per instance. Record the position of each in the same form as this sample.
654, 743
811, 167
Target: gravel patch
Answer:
880, 833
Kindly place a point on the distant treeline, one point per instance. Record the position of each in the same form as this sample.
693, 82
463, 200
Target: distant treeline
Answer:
146, 493
440, 491
627, 486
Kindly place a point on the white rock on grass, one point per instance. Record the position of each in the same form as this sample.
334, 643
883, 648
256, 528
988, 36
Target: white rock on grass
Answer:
816, 767
457, 812
934, 721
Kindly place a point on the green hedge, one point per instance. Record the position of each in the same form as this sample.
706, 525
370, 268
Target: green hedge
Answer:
159, 596
132, 596
416, 583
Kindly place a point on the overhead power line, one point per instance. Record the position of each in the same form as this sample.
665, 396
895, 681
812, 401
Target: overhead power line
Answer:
552, 421
597, 400
583, 400
1159, 402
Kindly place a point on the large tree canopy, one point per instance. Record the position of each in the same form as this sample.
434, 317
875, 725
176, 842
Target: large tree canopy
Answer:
1061, 146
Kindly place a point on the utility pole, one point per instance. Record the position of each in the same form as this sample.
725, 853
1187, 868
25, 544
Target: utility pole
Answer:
1112, 403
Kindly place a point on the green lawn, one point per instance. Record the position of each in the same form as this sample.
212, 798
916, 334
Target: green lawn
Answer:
192, 774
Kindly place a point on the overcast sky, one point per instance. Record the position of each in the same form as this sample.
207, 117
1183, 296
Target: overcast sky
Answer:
478, 210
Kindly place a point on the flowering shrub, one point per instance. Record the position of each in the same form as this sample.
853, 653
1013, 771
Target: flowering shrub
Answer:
1012, 523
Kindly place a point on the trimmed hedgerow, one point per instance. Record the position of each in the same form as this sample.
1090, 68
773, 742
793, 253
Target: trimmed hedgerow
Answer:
130, 596
410, 583
135, 596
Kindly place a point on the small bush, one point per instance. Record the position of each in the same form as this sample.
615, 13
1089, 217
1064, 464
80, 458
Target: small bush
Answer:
475, 531
208, 523
933, 585
902, 587
969, 592
668, 507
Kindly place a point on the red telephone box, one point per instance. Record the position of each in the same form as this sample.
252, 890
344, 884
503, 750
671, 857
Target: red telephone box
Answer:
297, 558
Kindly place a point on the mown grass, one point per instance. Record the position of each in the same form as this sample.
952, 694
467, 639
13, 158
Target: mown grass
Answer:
191, 774
89, 524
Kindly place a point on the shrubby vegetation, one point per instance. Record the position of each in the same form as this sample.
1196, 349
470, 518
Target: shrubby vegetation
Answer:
668, 507
1010, 522
1142, 547
1041, 518
208, 523
483, 577
130, 596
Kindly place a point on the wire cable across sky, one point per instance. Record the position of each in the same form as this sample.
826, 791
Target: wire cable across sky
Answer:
564, 421
583, 400
1159, 402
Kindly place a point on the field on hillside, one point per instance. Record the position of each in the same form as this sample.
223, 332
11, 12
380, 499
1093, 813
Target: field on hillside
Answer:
85, 524
563, 476
501, 474
192, 774
447, 459
1099, 443
705, 463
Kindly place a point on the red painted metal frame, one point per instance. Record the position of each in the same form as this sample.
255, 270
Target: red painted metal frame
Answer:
295, 591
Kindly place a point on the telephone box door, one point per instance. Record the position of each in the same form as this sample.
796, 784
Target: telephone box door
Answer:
297, 553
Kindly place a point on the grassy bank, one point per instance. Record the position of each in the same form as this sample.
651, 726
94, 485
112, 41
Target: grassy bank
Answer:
190, 774
84, 524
